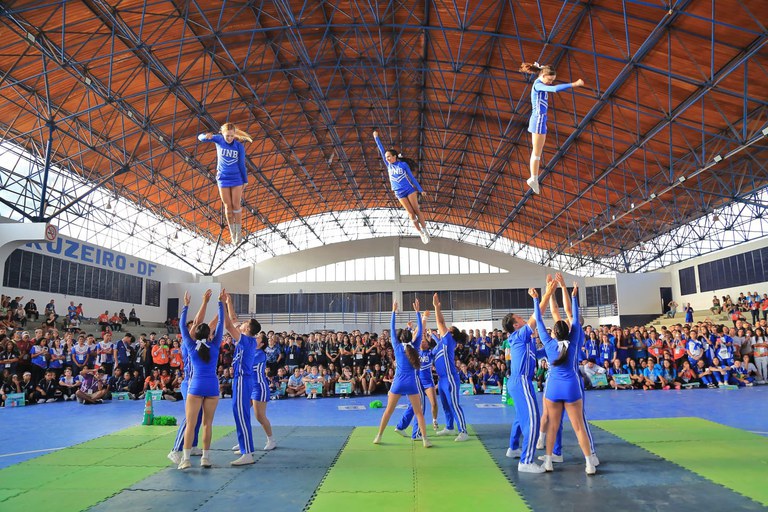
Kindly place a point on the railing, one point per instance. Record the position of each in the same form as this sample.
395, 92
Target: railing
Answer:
369, 318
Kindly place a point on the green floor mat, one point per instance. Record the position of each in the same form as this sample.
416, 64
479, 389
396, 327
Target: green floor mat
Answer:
74, 457
77, 478
56, 499
727, 456
403, 475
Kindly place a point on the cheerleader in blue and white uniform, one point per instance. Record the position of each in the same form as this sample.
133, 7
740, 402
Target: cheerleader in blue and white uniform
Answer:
522, 367
260, 395
447, 375
405, 186
203, 391
178, 444
563, 389
242, 383
404, 383
537, 126
231, 176
424, 382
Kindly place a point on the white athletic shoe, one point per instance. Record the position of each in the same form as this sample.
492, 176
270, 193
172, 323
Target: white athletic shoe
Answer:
445, 432
554, 457
196, 452
541, 443
435, 425
529, 468
175, 457
41, 401
534, 184
243, 460
50, 400
426, 443
185, 464
514, 454
236, 448
590, 468
205, 463
424, 237
271, 445
377, 439
463, 436
595, 461
401, 432
547, 466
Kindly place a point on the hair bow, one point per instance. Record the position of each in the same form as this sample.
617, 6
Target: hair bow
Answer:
200, 343
562, 345
399, 155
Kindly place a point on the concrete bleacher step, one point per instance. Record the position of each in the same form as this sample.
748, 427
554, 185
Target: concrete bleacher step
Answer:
698, 316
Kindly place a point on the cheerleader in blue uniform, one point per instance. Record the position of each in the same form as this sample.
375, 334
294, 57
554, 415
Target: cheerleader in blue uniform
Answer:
405, 187
260, 395
231, 176
537, 126
425, 384
203, 392
522, 367
406, 366
563, 389
447, 375
242, 384
178, 445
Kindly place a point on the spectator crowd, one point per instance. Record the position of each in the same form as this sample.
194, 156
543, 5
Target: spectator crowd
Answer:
58, 361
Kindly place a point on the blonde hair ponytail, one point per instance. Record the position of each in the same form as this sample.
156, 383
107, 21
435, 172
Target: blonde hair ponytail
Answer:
239, 134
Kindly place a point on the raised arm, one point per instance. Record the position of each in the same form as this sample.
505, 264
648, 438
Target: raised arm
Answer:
219, 334
183, 319
553, 303
566, 302
575, 319
200, 317
439, 318
551, 285
419, 327
380, 146
392, 331
229, 323
205, 137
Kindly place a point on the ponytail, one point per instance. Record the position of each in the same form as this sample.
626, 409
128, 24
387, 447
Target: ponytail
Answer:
411, 163
527, 67
413, 357
205, 353
239, 134
561, 357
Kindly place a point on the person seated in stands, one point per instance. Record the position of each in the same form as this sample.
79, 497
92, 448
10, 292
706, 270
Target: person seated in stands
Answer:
152, 382
11, 384
705, 374
123, 318
49, 322
616, 368
115, 323
686, 375
652, 375
225, 382
31, 309
590, 369
104, 321
68, 385
27, 386
167, 385
720, 371
92, 389
47, 390
313, 377
296, 387
749, 367
716, 308
739, 376
71, 310
116, 382
79, 312
736, 316
135, 385
20, 316
542, 372
668, 375
50, 309
133, 318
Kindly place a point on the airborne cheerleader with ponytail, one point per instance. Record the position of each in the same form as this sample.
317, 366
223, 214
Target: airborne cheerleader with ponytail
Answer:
406, 365
232, 176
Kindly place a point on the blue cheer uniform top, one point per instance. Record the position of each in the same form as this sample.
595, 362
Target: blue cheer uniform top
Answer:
230, 161
540, 104
563, 381
260, 391
404, 382
400, 176
204, 381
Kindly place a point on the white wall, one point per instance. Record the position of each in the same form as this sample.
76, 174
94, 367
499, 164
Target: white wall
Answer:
88, 254
703, 301
196, 291
638, 294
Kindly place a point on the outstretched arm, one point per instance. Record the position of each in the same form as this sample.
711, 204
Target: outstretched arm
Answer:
200, 317
205, 137
553, 303
380, 146
183, 319
541, 86
229, 324
566, 302
419, 327
439, 318
219, 334
392, 331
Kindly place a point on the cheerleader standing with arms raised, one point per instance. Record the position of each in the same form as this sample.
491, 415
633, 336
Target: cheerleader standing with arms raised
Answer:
404, 382
405, 187
231, 176
203, 392
425, 384
563, 390
537, 126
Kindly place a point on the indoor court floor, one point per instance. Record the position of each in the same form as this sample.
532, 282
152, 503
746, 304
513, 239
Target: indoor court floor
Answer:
663, 450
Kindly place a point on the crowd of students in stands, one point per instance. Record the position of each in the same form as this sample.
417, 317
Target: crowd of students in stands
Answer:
48, 364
